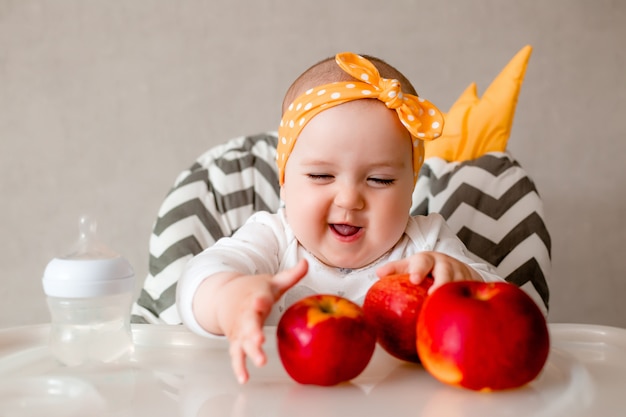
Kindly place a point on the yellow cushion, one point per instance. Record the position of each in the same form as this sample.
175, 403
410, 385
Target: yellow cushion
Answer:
475, 126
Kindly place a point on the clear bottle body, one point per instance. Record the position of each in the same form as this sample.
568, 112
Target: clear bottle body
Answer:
90, 330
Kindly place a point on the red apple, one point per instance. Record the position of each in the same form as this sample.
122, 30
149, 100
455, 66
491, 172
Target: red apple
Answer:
392, 305
324, 340
482, 336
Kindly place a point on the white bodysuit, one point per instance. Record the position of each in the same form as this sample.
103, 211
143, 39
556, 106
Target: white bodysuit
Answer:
265, 244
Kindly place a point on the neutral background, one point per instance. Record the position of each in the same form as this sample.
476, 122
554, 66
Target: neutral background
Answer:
103, 102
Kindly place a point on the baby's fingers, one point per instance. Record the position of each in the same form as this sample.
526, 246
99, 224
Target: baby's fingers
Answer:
286, 279
238, 362
417, 266
391, 268
248, 347
247, 341
251, 347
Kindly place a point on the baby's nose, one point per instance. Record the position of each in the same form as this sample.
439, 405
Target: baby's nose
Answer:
349, 197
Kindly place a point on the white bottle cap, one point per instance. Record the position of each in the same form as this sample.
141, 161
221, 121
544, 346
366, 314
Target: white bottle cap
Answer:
90, 270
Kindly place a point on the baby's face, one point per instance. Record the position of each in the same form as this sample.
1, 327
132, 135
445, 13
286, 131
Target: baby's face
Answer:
348, 183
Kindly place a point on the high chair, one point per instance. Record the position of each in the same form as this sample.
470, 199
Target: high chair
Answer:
468, 177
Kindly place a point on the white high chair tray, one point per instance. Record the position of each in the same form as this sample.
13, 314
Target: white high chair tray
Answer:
176, 373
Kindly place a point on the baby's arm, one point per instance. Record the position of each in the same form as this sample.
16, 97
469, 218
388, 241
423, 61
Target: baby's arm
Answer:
236, 305
229, 288
443, 255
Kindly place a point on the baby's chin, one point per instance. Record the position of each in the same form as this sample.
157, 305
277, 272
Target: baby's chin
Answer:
351, 262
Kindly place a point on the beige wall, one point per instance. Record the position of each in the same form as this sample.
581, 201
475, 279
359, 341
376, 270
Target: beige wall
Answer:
103, 102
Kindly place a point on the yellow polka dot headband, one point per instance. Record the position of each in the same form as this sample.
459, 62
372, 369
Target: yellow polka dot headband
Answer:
421, 118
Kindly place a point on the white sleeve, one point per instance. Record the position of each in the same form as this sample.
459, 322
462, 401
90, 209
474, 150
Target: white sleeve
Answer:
254, 249
436, 235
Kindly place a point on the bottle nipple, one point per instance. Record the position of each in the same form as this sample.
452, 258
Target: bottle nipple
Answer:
88, 245
91, 269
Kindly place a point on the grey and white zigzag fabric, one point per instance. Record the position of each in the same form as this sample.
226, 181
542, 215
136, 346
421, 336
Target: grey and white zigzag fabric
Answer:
495, 209
490, 202
211, 199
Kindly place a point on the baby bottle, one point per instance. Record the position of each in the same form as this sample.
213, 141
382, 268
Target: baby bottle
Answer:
89, 294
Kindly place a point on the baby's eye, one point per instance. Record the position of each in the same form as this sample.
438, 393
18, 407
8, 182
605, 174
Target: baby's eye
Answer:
382, 181
320, 177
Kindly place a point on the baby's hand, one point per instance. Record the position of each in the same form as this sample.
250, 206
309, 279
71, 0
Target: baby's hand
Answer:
243, 325
441, 267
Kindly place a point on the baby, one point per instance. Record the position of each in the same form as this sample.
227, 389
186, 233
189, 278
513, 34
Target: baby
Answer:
350, 147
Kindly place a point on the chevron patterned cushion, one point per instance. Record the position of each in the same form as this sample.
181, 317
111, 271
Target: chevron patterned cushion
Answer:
494, 207
490, 202
211, 199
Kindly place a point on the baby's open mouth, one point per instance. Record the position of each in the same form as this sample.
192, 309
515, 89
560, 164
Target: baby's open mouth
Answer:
345, 229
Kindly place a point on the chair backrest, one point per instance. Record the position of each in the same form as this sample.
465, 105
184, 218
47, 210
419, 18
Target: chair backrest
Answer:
490, 202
